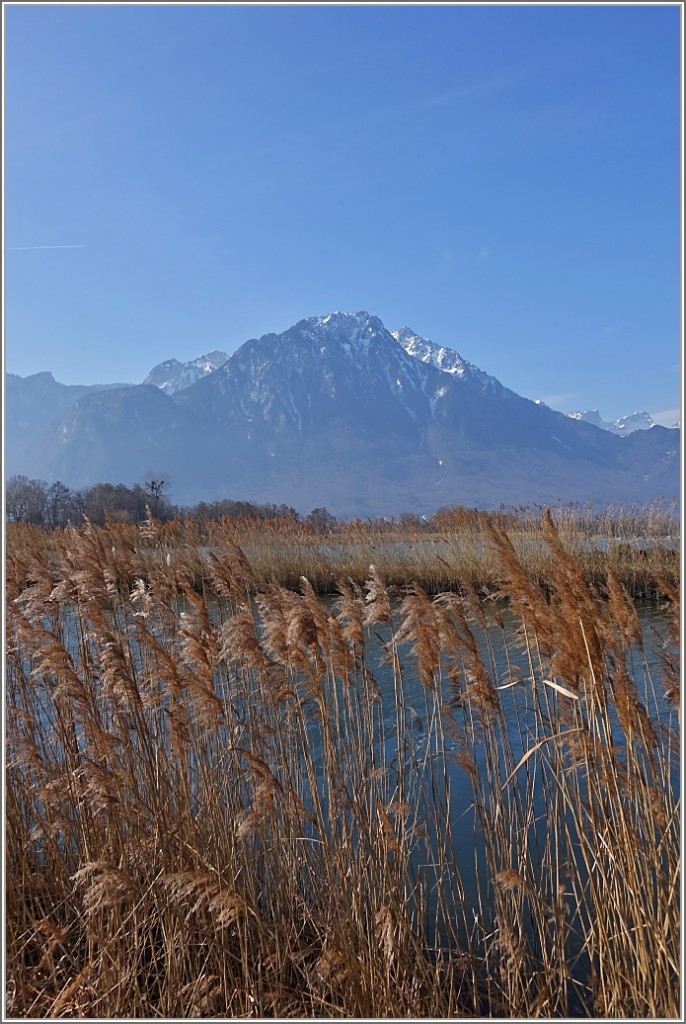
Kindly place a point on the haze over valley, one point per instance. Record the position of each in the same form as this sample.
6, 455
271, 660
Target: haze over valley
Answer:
336, 411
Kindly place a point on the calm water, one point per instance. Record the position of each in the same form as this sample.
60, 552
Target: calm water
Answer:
439, 783
448, 787
505, 659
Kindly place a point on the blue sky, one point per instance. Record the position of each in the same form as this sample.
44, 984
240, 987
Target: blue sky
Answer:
503, 179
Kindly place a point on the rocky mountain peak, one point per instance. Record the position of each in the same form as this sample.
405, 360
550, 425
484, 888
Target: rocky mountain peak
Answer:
622, 426
172, 375
335, 411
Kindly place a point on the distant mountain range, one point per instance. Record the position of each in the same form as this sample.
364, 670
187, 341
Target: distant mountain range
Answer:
623, 426
338, 412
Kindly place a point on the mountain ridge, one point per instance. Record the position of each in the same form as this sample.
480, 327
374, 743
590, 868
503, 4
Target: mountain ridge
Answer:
337, 411
623, 425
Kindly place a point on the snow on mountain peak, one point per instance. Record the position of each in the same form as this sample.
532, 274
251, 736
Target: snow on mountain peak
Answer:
210, 361
622, 426
343, 321
353, 331
339, 317
355, 336
445, 359
172, 376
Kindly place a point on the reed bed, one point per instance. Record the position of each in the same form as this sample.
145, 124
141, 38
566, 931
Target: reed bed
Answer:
214, 809
640, 545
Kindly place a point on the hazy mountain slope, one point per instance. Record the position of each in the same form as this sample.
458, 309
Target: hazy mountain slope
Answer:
33, 406
116, 436
337, 411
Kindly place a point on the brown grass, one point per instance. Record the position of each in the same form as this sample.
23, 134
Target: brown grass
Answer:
215, 808
640, 545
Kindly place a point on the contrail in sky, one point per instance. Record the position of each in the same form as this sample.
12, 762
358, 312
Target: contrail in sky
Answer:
20, 248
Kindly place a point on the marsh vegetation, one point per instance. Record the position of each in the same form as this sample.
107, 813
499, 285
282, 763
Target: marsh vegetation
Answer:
450, 787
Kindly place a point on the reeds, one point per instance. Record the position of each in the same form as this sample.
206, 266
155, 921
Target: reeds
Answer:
226, 797
639, 544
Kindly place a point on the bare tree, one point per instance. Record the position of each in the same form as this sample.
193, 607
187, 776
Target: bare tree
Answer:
26, 500
62, 505
322, 520
157, 485
116, 502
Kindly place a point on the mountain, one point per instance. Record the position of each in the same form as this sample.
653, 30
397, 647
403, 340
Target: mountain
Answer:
115, 436
445, 359
336, 411
34, 406
623, 426
171, 376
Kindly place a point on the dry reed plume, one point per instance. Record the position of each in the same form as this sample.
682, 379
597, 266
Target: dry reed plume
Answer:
226, 797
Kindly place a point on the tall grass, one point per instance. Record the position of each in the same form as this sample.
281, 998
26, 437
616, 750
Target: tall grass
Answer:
639, 544
213, 810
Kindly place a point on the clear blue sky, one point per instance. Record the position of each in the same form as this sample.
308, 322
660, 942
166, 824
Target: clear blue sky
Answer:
503, 179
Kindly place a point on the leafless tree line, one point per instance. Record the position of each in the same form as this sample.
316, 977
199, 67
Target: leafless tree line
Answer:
53, 505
